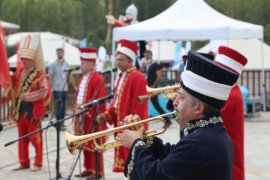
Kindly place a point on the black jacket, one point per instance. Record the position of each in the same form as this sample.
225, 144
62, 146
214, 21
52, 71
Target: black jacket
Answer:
206, 153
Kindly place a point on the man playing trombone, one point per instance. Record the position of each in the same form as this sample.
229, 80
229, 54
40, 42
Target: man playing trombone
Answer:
205, 151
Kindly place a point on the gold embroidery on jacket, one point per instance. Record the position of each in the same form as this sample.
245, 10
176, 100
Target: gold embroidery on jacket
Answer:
149, 141
24, 88
131, 163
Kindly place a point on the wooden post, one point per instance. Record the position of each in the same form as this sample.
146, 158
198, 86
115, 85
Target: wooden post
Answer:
109, 29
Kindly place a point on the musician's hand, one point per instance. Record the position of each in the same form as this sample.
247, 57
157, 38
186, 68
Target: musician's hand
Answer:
110, 19
78, 110
101, 118
23, 95
127, 137
131, 119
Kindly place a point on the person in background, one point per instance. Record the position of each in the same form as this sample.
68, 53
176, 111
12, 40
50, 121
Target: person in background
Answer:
233, 111
129, 85
183, 64
60, 76
153, 75
205, 151
130, 18
32, 95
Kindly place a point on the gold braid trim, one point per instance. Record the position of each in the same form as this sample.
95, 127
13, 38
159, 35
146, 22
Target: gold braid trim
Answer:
129, 71
131, 163
203, 123
39, 79
119, 162
24, 88
149, 141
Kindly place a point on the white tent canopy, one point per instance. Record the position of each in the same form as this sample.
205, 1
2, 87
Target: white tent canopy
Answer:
164, 50
251, 48
189, 20
13, 39
8, 25
49, 46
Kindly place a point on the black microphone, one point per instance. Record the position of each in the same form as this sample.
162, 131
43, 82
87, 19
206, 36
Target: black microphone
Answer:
108, 71
71, 69
97, 101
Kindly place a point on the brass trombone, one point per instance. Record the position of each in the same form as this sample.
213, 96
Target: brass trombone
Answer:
169, 92
74, 141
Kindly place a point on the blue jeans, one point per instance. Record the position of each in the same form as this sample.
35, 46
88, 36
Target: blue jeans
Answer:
60, 104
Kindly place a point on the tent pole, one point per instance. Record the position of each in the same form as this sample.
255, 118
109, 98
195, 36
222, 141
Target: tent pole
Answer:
263, 76
112, 58
158, 51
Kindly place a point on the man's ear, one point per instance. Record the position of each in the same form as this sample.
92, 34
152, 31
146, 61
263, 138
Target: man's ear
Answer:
199, 108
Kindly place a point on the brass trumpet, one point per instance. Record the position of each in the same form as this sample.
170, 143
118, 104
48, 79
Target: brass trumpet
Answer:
74, 141
169, 92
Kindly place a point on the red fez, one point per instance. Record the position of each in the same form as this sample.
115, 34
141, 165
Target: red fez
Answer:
127, 48
231, 59
88, 54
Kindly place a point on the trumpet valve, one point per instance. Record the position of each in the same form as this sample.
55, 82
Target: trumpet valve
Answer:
149, 133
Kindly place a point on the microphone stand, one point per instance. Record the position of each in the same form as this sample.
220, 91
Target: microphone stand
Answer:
52, 123
55, 124
58, 128
95, 123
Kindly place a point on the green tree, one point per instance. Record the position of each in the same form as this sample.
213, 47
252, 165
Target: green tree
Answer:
93, 17
11, 11
252, 11
85, 18
146, 9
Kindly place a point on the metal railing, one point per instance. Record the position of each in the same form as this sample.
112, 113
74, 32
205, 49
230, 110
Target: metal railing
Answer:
6, 107
250, 79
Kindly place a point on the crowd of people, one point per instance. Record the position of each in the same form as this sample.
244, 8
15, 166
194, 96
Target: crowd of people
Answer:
208, 108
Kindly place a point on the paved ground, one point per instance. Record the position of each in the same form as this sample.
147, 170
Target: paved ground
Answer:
257, 153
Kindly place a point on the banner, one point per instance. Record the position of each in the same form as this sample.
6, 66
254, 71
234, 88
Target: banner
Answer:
5, 79
178, 53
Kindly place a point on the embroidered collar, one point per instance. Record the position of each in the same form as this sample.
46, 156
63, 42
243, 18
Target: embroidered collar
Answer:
200, 123
129, 70
185, 132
